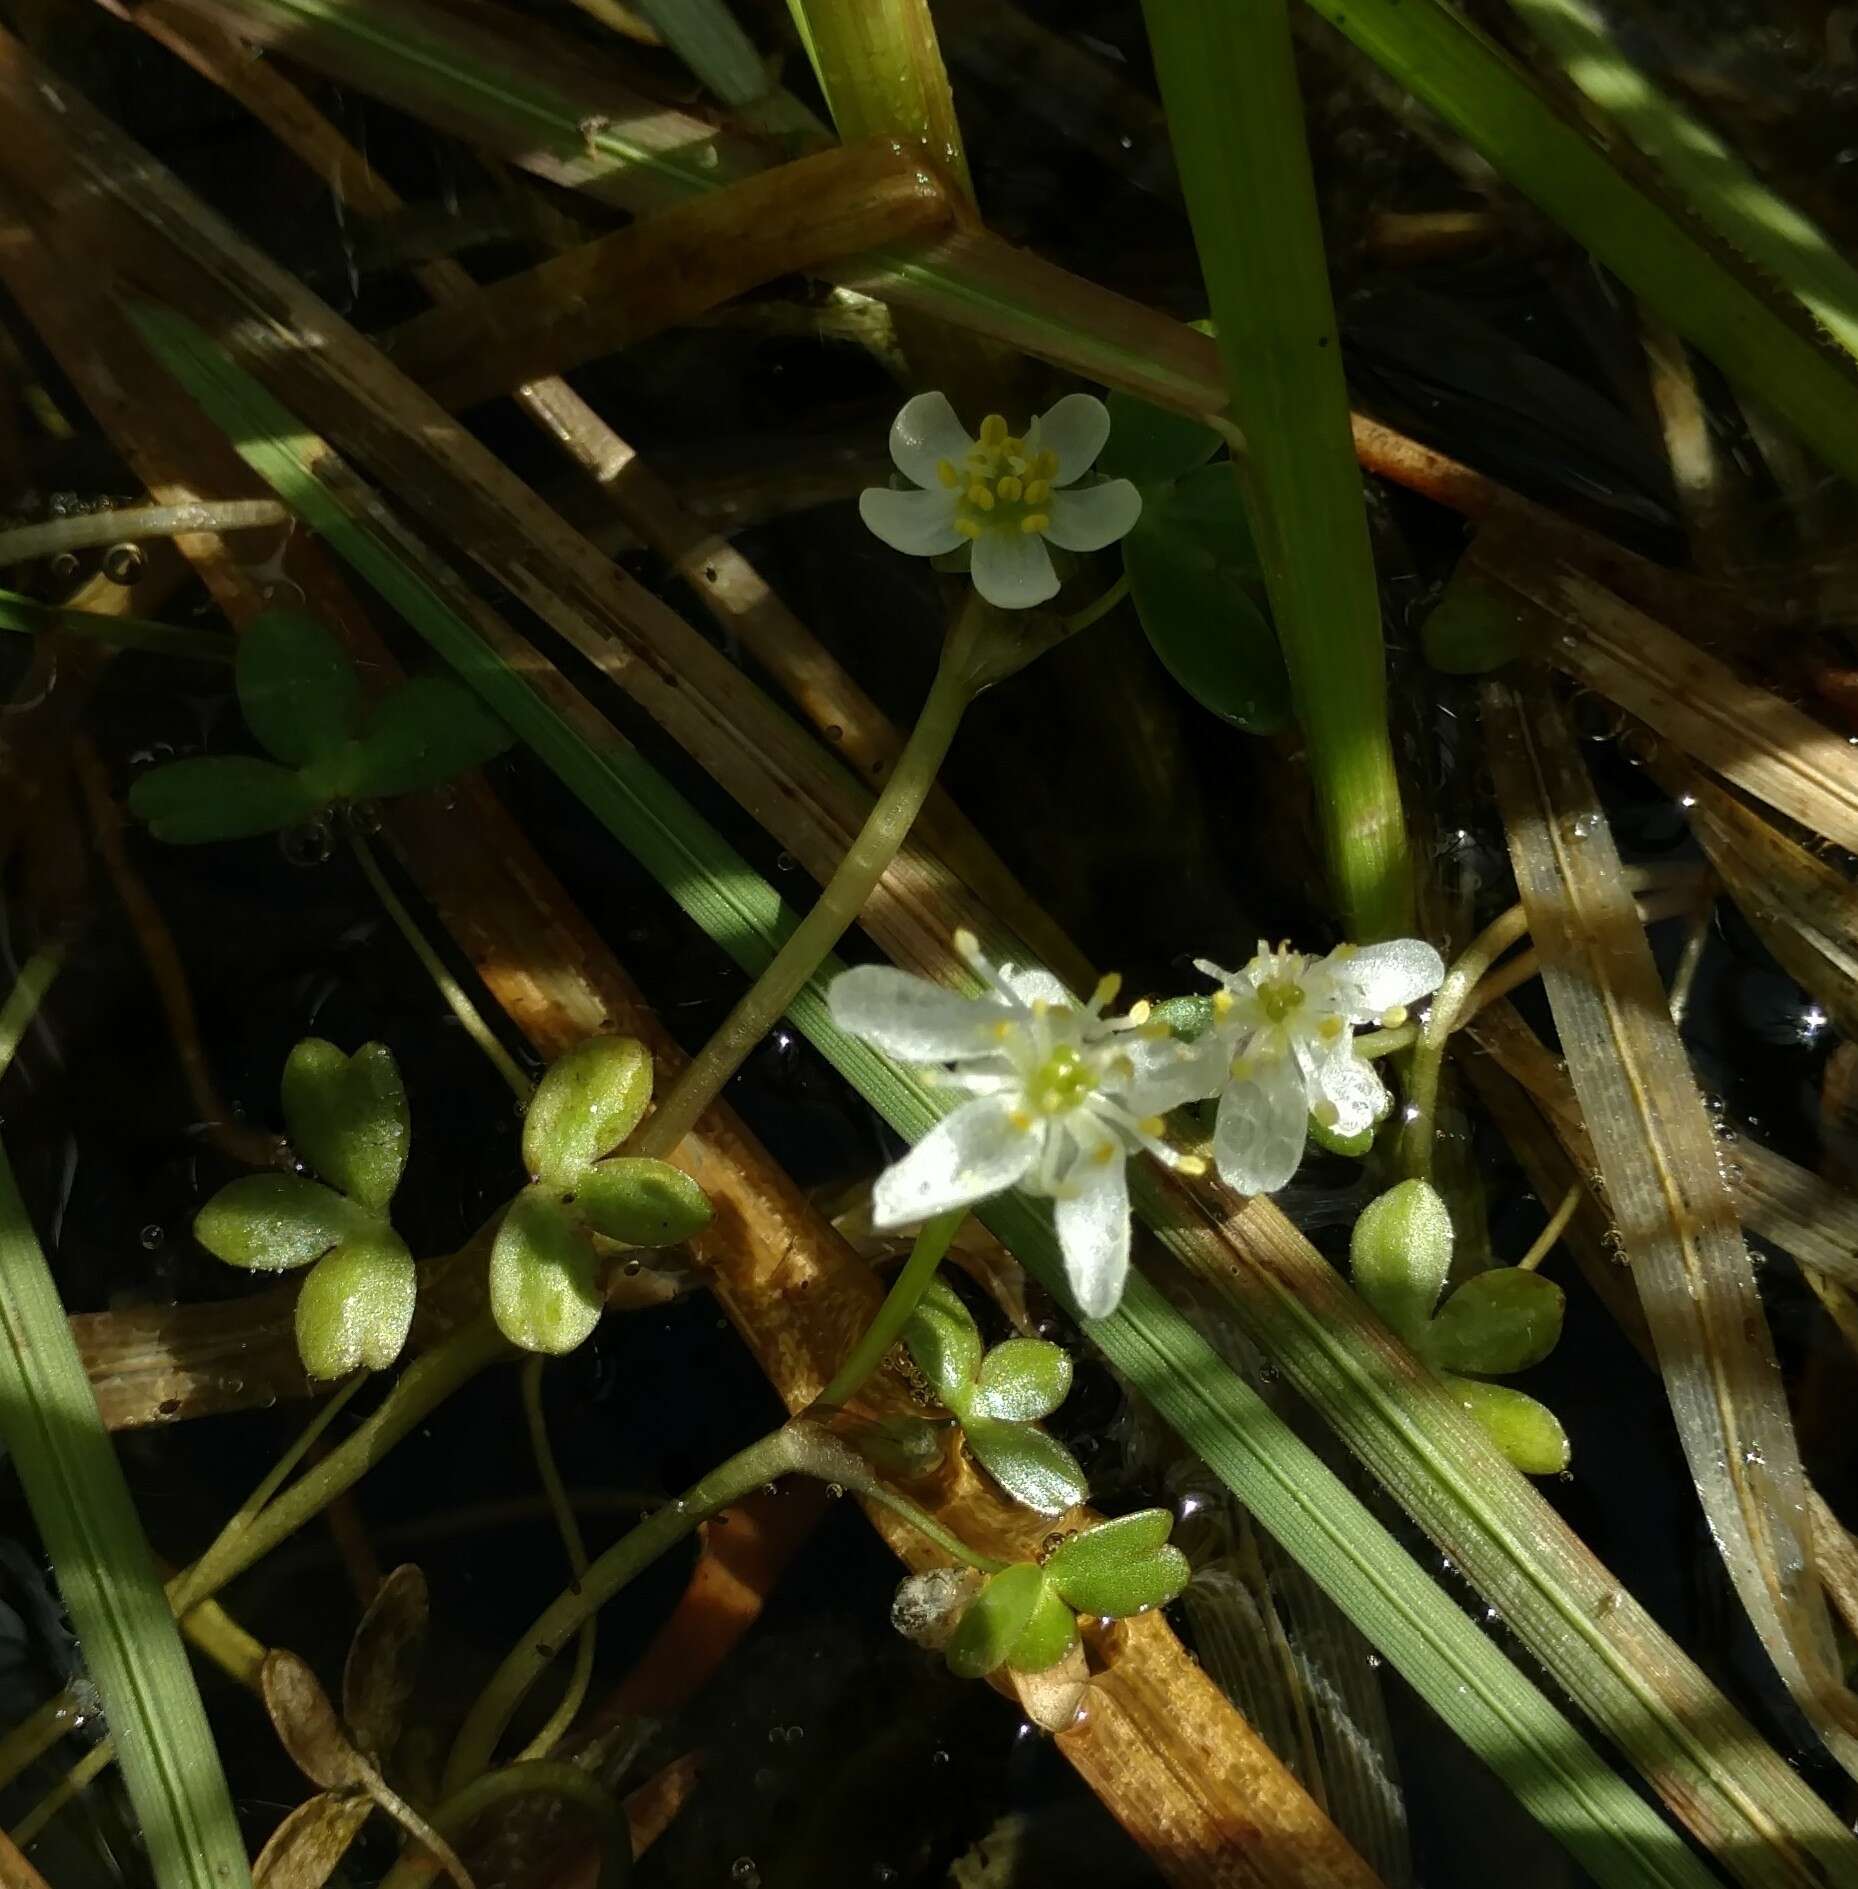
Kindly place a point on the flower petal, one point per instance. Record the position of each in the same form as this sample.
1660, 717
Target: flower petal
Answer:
1385, 976
1262, 1124
911, 1018
923, 434
1094, 515
1075, 430
1031, 985
921, 523
1012, 569
969, 1155
1353, 1087
1093, 1232
1169, 1072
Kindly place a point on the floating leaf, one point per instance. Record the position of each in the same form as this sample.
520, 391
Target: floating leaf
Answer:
995, 1620
220, 797
1475, 627
356, 1307
304, 1851
424, 733
1022, 1380
298, 690
1499, 1322
1196, 580
307, 1724
1030, 1466
946, 1344
1400, 1253
1151, 445
272, 1222
1048, 1636
1528, 1433
543, 1273
383, 1660
641, 1202
1119, 1567
588, 1103
347, 1117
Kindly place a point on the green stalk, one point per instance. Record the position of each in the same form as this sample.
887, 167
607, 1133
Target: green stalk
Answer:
1229, 84
905, 1294
106, 1575
1424, 1633
26, 617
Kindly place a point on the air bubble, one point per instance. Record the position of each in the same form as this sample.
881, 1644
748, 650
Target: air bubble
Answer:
152, 1237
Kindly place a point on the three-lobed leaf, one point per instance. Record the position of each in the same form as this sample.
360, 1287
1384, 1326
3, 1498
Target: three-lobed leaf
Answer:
1400, 1253
640, 1202
356, 1306
274, 1222
422, 734
347, 1117
1119, 1567
590, 1100
298, 690
220, 797
544, 1276
1501, 1321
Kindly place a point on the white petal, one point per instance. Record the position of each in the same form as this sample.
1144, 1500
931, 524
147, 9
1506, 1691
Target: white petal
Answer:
1031, 985
969, 1155
1093, 515
1169, 1072
1075, 430
1093, 1232
1384, 976
1261, 1128
1353, 1086
921, 523
925, 433
911, 1018
1013, 569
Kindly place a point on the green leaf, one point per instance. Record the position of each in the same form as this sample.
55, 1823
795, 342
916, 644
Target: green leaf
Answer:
273, 1222
424, 733
1354, 1146
1499, 1322
356, 1307
1119, 1567
347, 1117
1474, 627
1527, 1432
1022, 1380
1188, 1017
996, 1621
1400, 1252
220, 797
945, 1343
1150, 445
590, 1100
544, 1291
1030, 1466
641, 1202
1048, 1636
297, 688
1195, 577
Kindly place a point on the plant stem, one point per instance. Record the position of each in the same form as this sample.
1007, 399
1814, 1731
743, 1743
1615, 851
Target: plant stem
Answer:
1545, 1241
28, 617
145, 521
461, 1810
798, 1447
449, 987
1229, 83
865, 863
1094, 612
906, 1291
23, 1000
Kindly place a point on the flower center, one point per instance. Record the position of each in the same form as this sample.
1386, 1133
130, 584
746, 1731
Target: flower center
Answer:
1001, 486
1279, 996
1061, 1082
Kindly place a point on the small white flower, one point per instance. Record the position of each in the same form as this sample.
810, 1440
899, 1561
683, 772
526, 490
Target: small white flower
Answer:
1059, 1096
1284, 1030
1001, 495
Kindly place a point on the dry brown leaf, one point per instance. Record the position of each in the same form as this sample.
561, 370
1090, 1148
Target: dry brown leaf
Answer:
304, 1851
306, 1724
383, 1661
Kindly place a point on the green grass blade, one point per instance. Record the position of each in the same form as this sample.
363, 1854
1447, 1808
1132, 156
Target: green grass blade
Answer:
27, 617
1229, 84
1475, 1689
106, 1575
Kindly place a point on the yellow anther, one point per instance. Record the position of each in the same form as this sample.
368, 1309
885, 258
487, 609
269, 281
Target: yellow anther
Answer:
1045, 464
1021, 1120
967, 946
1222, 1002
1326, 1114
1003, 1030
993, 431
1392, 1019
1013, 446
1035, 522
1009, 489
1040, 1007
1104, 1153
946, 471
1191, 1165
979, 496
1038, 491
1052, 1101
1243, 1068
1123, 1069
1156, 1032
1107, 987
1139, 1012
1343, 952
1151, 1125
968, 527
1329, 1029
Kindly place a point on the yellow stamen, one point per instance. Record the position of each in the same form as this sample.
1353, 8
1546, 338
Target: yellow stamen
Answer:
1326, 1114
1107, 987
1003, 1030
1138, 1012
967, 946
978, 495
1046, 464
1038, 491
1156, 1032
993, 431
1035, 522
1052, 1101
1243, 1068
1021, 1120
1104, 1154
1040, 1007
968, 527
1009, 489
1329, 1029
1013, 446
1191, 1165
1152, 1125
946, 472
1392, 1019
1222, 1002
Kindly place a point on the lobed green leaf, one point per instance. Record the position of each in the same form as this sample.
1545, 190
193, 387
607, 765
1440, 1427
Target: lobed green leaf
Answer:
275, 1222
347, 1117
590, 1100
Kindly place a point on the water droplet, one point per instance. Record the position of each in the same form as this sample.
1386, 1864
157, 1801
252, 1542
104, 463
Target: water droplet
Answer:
743, 1870
123, 563
938, 1756
152, 1237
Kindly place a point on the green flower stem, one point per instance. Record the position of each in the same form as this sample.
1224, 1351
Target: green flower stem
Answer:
89, 529
454, 1818
23, 1001
26, 616
1095, 612
932, 1243
449, 987
1229, 83
1373, 1044
865, 863
799, 1447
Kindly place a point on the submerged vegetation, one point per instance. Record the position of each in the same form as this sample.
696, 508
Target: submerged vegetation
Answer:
1162, 1322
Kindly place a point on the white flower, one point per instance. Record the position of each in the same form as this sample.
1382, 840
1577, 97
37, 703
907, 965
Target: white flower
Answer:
1001, 495
1059, 1097
1284, 1030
